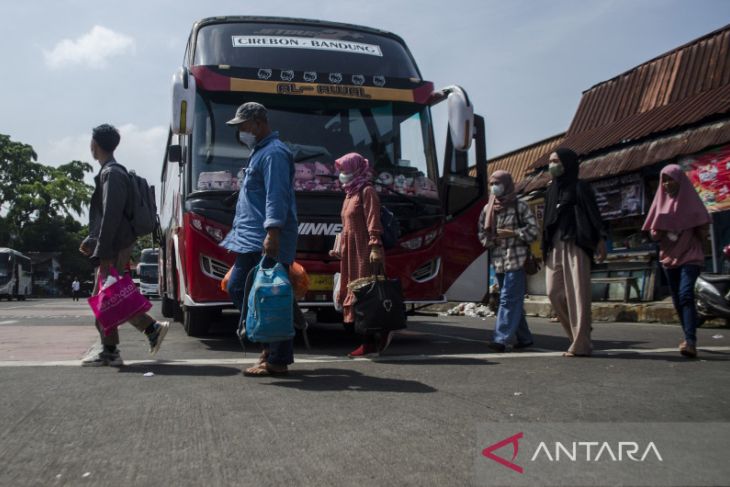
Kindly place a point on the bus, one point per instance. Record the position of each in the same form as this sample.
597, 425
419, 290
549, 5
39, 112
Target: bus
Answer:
330, 88
147, 271
16, 275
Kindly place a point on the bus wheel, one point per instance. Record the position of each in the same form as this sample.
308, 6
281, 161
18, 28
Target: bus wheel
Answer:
168, 307
196, 322
328, 315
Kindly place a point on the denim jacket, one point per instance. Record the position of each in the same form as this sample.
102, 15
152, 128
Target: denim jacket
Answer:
266, 200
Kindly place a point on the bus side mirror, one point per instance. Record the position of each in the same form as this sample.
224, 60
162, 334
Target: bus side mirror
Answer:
174, 153
183, 102
461, 118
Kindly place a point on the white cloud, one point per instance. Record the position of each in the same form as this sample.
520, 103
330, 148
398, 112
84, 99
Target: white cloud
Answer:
140, 149
92, 49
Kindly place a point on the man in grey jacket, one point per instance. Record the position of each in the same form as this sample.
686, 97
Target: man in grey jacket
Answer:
111, 239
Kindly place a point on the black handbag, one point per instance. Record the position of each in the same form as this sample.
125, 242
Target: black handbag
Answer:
379, 306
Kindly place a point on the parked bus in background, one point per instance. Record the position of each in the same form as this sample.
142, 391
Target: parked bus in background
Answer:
329, 88
16, 275
147, 271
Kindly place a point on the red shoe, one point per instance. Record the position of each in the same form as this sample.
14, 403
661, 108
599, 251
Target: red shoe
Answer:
364, 350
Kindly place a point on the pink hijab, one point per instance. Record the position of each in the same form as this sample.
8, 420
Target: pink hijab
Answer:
495, 205
355, 164
678, 213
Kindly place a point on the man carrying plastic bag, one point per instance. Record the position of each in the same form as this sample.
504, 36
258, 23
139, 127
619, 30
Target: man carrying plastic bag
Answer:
110, 242
265, 221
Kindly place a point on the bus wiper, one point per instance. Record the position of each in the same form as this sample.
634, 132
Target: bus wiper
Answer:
402, 196
304, 158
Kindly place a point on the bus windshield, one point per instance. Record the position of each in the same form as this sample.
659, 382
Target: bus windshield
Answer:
6, 267
394, 137
148, 274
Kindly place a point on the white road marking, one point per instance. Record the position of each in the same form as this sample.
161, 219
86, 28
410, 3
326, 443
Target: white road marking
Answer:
8, 322
328, 359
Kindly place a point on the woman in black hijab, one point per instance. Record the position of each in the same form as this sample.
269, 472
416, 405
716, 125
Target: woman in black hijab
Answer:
572, 233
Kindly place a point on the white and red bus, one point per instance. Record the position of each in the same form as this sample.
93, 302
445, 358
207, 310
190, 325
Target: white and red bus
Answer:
330, 88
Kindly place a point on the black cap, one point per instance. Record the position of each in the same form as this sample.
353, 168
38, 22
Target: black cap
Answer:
248, 111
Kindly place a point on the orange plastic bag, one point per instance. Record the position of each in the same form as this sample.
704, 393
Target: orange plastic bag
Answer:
299, 280
224, 282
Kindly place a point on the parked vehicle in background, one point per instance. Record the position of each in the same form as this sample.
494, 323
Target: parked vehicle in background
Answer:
330, 89
147, 272
16, 275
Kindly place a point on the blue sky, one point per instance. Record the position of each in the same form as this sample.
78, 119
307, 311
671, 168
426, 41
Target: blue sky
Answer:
70, 65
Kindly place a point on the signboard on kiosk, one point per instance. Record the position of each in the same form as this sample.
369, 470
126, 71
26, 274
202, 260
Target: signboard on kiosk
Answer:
709, 172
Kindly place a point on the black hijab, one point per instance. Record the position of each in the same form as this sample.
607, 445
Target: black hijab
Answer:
562, 192
570, 206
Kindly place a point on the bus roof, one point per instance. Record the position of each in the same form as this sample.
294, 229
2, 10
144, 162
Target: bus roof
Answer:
265, 55
293, 20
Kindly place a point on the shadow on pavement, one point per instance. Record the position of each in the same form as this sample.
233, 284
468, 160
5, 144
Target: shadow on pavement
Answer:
172, 369
704, 355
348, 380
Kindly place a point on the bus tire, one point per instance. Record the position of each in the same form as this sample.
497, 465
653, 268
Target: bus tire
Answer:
196, 322
328, 315
168, 307
177, 312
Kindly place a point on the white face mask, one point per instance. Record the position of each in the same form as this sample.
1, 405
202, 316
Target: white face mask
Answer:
345, 178
497, 190
247, 138
556, 169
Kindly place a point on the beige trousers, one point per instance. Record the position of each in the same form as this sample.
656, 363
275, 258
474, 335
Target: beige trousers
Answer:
140, 322
568, 275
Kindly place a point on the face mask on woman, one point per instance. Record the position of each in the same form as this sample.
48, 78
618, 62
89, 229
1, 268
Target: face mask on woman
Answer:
345, 178
556, 169
497, 190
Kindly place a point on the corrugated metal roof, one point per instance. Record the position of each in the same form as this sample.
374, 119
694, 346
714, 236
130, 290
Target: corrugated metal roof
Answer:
652, 151
686, 86
519, 161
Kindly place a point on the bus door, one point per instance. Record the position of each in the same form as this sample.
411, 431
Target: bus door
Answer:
464, 192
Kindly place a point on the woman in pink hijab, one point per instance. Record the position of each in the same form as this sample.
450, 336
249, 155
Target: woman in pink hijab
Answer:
361, 249
679, 221
507, 226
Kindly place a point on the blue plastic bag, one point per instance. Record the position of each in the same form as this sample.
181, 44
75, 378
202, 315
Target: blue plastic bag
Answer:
269, 317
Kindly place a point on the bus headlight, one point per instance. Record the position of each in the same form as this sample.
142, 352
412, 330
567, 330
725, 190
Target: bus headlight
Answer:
412, 244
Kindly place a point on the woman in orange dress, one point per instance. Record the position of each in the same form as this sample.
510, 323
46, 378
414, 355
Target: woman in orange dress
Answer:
361, 249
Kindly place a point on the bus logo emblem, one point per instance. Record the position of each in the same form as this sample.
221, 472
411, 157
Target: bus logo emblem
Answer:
264, 73
336, 78
310, 76
379, 80
287, 75
358, 79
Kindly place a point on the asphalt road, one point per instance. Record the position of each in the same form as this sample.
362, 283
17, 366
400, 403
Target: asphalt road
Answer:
409, 417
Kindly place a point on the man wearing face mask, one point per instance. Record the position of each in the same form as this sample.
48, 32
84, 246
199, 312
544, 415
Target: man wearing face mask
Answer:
572, 234
265, 221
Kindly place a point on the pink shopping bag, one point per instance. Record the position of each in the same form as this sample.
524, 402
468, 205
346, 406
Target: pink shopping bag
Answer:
118, 302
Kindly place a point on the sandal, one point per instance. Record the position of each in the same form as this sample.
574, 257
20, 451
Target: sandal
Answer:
264, 370
571, 354
262, 358
688, 350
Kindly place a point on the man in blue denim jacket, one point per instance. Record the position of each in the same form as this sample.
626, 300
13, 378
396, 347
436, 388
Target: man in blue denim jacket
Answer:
266, 218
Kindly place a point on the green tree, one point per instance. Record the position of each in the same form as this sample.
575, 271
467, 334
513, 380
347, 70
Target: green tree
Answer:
39, 202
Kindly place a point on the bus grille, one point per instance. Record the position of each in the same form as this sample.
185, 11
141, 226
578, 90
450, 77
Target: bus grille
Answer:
213, 268
427, 271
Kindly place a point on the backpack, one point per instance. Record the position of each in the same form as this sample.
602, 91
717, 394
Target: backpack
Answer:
142, 209
391, 228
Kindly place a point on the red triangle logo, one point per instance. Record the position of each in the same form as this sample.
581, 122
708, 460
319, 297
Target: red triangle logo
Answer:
514, 441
